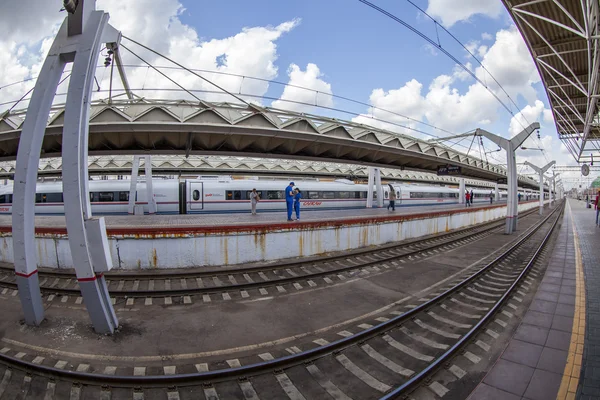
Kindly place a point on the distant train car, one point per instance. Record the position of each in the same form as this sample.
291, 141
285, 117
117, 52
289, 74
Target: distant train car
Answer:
203, 196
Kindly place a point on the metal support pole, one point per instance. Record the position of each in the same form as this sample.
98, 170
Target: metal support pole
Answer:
26, 170
133, 185
78, 213
370, 187
497, 192
149, 192
77, 41
541, 192
541, 172
461, 191
512, 206
511, 198
378, 187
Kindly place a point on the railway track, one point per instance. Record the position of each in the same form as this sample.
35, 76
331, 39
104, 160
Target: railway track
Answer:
387, 360
241, 283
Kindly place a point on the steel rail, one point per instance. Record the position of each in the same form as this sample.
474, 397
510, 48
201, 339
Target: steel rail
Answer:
274, 282
438, 362
190, 379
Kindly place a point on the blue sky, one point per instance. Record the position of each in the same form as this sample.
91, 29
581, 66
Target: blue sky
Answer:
356, 48
339, 47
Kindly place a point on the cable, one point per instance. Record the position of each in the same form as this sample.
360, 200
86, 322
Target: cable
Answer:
438, 46
163, 74
181, 66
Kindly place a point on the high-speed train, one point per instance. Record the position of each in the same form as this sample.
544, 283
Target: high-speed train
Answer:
198, 196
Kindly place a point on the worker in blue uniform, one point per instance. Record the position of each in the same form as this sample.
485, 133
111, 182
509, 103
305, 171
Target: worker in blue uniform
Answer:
289, 200
297, 197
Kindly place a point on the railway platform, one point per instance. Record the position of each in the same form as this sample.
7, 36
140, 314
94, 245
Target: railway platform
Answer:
554, 352
293, 310
181, 241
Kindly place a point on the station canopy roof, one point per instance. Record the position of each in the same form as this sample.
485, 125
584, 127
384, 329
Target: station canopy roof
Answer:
564, 40
177, 127
261, 168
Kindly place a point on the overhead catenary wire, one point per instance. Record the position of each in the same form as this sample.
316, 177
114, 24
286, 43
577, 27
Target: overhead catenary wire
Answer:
453, 58
161, 73
183, 67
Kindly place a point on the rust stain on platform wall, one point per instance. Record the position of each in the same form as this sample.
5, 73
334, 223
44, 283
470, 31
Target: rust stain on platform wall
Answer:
154, 260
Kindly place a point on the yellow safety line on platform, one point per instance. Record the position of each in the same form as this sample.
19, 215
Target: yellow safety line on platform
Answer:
570, 380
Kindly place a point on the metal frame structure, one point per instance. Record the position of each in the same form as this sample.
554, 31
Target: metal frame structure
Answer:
202, 128
175, 165
564, 40
78, 42
509, 146
574, 168
541, 171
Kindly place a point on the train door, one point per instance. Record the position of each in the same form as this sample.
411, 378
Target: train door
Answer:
398, 195
196, 192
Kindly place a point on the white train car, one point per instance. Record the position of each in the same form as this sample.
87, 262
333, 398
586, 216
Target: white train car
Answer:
224, 195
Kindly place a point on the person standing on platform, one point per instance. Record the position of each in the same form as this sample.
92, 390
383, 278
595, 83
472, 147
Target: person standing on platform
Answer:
468, 199
289, 200
254, 199
519, 197
392, 198
491, 198
597, 205
297, 197
472, 197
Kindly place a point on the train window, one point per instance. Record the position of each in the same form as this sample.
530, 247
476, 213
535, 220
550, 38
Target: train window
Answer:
385, 195
329, 195
344, 195
363, 195
234, 195
106, 196
123, 196
5, 198
313, 195
53, 198
196, 195
275, 194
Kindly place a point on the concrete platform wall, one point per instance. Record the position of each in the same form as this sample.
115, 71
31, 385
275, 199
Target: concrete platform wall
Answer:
146, 248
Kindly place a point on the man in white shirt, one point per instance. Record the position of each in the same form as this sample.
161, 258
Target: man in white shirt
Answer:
254, 199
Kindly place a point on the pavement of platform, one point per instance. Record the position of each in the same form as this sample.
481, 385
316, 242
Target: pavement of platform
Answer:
547, 357
588, 235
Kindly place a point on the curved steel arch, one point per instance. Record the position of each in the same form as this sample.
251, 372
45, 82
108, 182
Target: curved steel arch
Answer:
202, 128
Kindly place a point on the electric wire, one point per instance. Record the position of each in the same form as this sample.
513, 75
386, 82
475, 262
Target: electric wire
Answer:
453, 58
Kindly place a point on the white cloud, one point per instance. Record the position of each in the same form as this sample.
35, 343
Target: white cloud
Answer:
528, 115
251, 52
155, 23
28, 21
406, 100
449, 108
311, 78
449, 12
553, 149
486, 36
